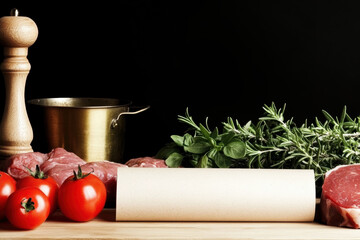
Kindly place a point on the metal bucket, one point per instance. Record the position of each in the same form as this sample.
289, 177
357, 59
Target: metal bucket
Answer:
92, 128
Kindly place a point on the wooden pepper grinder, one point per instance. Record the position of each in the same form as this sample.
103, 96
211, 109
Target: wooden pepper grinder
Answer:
16, 35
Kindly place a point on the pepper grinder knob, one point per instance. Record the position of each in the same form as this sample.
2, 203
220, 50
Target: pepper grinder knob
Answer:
17, 33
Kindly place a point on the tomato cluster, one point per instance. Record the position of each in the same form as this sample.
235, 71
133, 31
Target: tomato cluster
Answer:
28, 202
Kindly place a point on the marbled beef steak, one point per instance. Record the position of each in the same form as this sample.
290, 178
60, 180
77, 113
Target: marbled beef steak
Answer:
340, 199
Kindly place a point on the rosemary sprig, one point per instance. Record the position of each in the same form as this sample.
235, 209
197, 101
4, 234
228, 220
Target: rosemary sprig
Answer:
273, 142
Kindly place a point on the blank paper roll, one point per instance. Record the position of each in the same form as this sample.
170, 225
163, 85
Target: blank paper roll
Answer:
195, 194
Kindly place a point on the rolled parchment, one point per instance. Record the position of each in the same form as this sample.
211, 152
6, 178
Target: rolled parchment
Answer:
195, 194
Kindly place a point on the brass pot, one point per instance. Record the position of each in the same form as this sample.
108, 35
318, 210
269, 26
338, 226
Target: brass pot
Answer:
92, 128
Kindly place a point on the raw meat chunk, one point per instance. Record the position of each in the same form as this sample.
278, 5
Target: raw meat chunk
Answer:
60, 164
340, 199
105, 170
17, 164
62, 172
60, 158
146, 162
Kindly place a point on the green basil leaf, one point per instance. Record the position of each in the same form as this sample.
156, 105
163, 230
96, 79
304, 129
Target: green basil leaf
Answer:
222, 161
227, 137
167, 150
198, 147
235, 149
174, 160
212, 153
203, 163
188, 140
179, 140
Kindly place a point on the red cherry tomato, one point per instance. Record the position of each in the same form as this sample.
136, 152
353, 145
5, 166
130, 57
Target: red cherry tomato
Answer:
7, 187
27, 208
45, 183
82, 197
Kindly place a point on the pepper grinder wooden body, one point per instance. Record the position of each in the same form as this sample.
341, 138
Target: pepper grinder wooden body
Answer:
16, 35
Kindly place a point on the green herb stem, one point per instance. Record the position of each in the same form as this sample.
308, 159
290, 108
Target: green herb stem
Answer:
272, 142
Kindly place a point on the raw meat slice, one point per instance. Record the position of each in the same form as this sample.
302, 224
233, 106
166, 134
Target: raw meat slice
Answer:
340, 199
60, 165
107, 172
17, 164
146, 162
104, 170
61, 172
59, 157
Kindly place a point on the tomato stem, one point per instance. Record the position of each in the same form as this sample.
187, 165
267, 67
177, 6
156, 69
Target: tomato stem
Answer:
28, 205
37, 173
80, 175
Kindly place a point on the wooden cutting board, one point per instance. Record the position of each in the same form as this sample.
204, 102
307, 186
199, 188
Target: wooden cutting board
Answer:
105, 227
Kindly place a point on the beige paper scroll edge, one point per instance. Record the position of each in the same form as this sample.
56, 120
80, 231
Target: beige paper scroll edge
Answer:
194, 194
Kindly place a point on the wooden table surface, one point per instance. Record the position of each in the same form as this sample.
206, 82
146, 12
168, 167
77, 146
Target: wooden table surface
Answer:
105, 227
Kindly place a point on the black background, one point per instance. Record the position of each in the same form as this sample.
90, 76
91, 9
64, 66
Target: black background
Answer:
219, 58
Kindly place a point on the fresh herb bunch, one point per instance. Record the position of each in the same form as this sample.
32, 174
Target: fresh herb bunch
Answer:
272, 142
204, 148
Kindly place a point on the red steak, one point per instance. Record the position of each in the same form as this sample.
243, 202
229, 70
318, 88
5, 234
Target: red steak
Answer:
340, 199
60, 158
105, 170
146, 162
17, 164
60, 164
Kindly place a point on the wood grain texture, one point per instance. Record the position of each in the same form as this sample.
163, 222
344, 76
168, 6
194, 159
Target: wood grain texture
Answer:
16, 35
17, 32
105, 227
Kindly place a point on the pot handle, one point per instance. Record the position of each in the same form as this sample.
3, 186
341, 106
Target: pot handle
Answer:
114, 122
